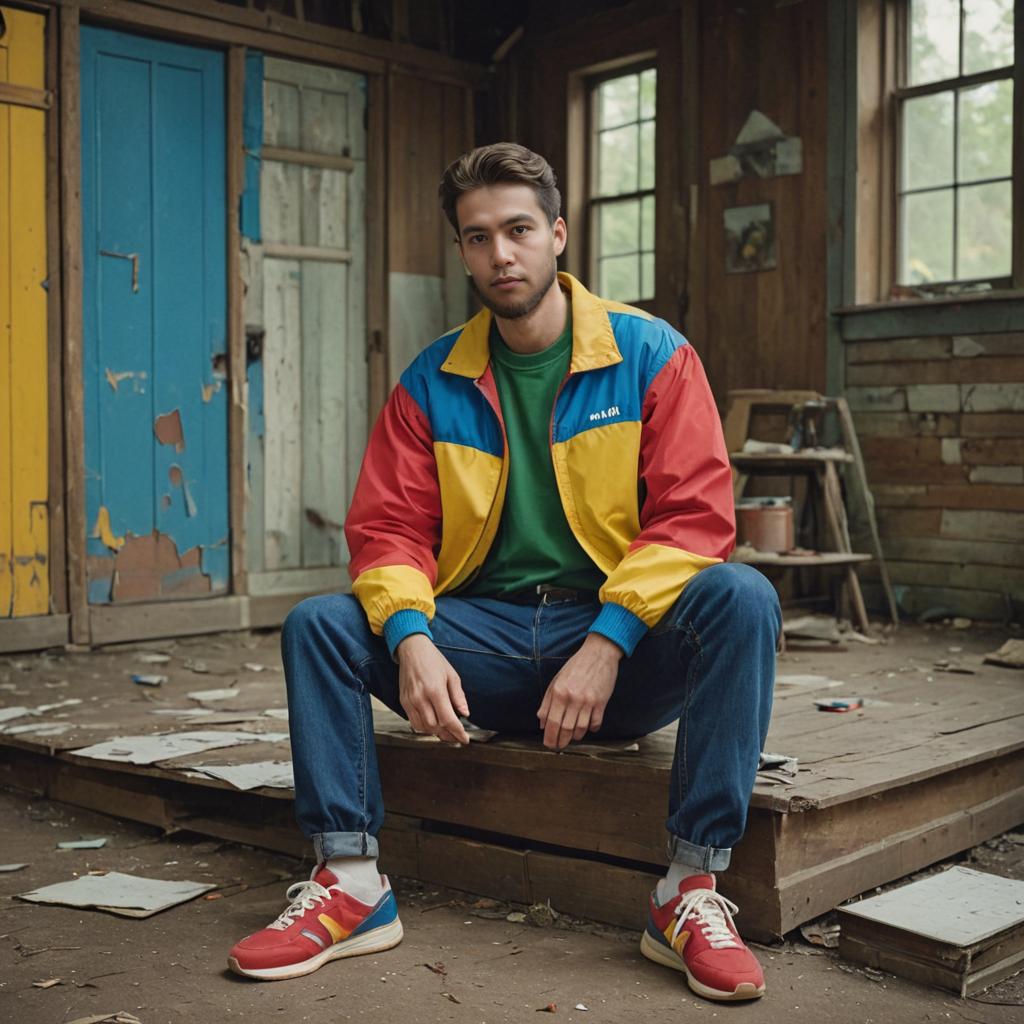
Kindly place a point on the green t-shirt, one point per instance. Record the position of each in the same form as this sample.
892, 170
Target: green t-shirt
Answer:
534, 543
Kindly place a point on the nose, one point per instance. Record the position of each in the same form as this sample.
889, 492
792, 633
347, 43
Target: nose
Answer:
501, 253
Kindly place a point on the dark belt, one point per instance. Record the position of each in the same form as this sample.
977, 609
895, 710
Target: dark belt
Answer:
545, 593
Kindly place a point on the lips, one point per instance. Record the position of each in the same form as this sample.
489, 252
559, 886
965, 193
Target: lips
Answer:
506, 282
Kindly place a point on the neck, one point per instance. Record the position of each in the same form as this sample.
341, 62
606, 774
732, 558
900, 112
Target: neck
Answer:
540, 328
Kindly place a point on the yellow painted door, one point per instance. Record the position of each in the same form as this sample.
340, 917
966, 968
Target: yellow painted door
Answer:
24, 527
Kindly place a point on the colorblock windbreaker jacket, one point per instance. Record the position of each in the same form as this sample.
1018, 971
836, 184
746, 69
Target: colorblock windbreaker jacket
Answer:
638, 454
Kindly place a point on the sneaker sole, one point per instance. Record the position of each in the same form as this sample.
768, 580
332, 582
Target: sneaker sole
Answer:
657, 953
386, 937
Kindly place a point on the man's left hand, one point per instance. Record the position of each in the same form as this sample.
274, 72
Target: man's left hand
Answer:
575, 701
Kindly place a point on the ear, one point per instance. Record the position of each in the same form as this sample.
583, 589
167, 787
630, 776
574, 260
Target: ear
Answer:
561, 234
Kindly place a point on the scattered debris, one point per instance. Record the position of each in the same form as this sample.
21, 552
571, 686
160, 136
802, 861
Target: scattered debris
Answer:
118, 1017
8, 714
254, 666
451, 998
823, 932
281, 713
1010, 655
153, 658
127, 895
962, 623
812, 627
580, 1006
83, 844
149, 680
225, 693
274, 774
810, 681
161, 746
197, 666
49, 983
438, 968
541, 915
7, 868
550, 1008
840, 704
516, 917
945, 665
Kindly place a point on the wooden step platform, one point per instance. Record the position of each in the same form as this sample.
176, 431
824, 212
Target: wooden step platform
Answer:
930, 766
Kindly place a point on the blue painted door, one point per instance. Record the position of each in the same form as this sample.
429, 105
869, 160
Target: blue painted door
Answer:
154, 318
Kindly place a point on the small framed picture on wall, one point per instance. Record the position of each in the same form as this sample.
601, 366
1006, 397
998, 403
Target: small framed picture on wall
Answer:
749, 239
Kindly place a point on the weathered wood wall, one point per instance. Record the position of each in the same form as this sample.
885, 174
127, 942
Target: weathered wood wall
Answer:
717, 61
941, 425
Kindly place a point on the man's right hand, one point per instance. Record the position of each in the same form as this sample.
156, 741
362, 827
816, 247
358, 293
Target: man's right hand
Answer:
430, 690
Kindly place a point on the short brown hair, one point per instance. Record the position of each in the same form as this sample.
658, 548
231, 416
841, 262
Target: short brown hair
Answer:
503, 163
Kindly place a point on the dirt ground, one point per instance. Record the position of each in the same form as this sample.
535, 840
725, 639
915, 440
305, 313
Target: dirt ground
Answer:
171, 967
461, 960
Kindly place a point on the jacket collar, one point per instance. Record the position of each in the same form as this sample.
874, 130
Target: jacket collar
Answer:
593, 341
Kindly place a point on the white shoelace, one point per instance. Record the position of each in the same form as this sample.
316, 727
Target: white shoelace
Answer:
303, 896
713, 914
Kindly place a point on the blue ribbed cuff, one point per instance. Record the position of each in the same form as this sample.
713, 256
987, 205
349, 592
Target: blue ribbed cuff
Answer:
620, 626
403, 624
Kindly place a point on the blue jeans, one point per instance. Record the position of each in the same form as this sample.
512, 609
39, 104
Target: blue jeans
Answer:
709, 662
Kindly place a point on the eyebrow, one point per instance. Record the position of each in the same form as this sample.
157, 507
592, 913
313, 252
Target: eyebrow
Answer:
517, 219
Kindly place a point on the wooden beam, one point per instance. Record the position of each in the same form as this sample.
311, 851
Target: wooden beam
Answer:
238, 392
377, 100
115, 624
205, 22
55, 376
33, 633
321, 253
23, 96
300, 156
962, 314
74, 415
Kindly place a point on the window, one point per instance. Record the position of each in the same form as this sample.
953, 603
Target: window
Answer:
955, 117
621, 194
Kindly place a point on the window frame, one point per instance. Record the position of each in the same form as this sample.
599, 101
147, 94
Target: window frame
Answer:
591, 202
899, 94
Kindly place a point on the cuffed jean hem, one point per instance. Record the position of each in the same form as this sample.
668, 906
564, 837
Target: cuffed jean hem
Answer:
707, 858
344, 844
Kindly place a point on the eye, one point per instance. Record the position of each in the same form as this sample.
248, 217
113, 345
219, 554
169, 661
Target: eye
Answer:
520, 229
475, 239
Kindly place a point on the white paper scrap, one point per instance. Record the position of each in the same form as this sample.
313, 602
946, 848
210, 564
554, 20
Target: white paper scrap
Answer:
60, 704
161, 746
223, 694
7, 714
275, 774
38, 728
153, 658
129, 895
758, 128
5, 868
281, 713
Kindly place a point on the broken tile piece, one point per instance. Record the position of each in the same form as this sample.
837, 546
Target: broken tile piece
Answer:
225, 693
83, 844
128, 895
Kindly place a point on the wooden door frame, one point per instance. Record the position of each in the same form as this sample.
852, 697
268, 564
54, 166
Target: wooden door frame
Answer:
230, 30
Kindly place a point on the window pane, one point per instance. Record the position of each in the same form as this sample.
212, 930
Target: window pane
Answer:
617, 160
986, 129
934, 40
619, 227
648, 88
647, 154
646, 276
927, 237
984, 220
620, 278
647, 222
928, 141
988, 35
617, 101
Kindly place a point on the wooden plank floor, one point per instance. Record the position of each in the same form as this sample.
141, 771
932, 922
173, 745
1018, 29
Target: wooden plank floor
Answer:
932, 764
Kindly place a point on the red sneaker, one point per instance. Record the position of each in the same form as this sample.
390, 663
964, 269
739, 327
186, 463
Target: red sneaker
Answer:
321, 923
694, 933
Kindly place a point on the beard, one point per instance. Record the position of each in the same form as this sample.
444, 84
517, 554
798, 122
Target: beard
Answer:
524, 307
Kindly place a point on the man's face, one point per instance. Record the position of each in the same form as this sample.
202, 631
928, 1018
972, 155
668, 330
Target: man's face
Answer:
508, 247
